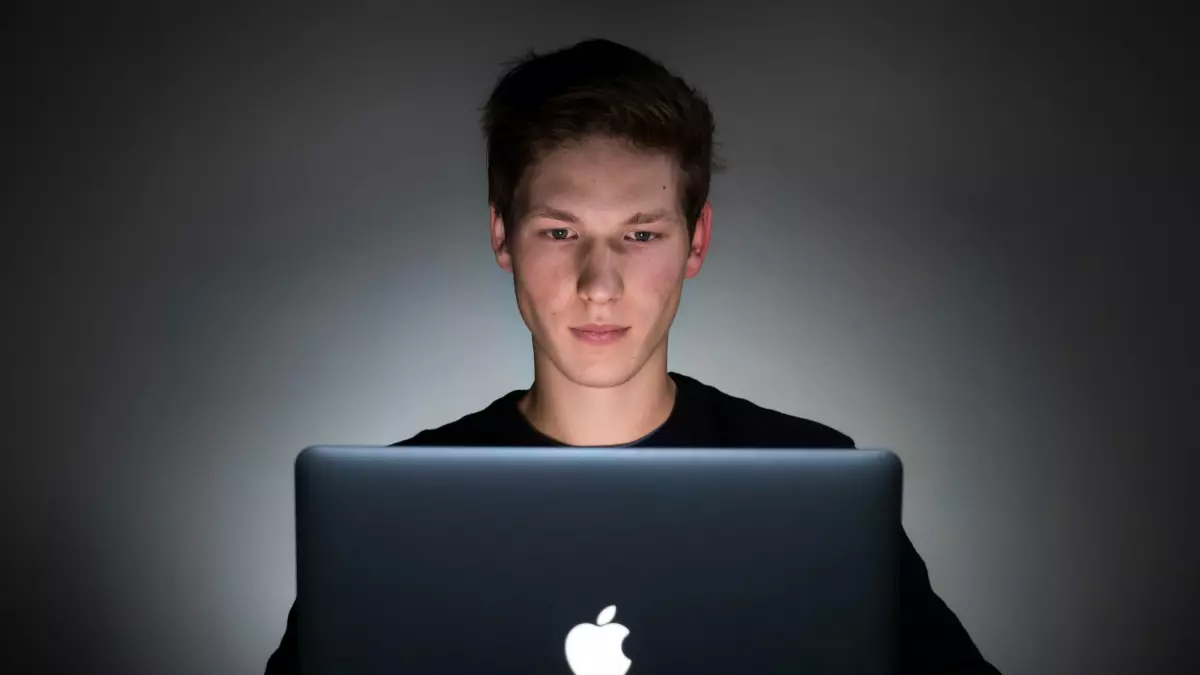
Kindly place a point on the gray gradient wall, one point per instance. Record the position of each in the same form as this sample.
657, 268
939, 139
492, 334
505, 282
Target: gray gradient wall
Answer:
236, 234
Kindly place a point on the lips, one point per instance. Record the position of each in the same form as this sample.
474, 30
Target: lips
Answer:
599, 328
599, 334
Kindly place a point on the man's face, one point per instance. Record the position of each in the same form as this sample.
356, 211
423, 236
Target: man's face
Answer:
603, 241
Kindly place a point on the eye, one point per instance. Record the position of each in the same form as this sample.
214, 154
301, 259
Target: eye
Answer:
642, 236
557, 233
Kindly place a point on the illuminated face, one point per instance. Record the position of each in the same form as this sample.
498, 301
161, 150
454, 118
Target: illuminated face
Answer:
603, 242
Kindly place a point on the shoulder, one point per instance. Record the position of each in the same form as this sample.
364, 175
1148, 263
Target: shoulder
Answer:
756, 426
478, 428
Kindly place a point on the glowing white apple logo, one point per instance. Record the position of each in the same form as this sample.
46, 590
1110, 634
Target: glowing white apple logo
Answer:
595, 648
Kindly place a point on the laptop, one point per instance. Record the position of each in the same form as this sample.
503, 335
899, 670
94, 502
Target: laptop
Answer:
596, 561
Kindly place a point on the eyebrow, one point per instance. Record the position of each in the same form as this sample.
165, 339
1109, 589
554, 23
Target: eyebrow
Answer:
639, 218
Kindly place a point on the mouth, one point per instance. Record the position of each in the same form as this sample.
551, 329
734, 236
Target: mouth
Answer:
599, 334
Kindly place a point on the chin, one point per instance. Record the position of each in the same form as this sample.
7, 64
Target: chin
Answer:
603, 382
612, 372
601, 377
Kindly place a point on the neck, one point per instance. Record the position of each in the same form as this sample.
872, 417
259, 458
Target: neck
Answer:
579, 415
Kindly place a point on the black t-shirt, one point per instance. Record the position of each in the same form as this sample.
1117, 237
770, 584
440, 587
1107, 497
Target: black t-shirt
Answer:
932, 640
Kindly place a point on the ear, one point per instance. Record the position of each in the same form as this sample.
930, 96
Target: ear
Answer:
499, 242
700, 239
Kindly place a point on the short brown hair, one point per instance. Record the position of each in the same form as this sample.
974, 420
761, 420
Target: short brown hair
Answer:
594, 88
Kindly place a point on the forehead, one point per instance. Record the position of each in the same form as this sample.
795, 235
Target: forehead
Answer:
605, 173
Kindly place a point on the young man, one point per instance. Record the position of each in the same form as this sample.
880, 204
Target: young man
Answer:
599, 162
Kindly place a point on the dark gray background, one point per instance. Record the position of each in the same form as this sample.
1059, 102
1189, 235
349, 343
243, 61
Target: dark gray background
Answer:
233, 234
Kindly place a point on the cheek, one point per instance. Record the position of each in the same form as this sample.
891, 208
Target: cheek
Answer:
659, 284
543, 281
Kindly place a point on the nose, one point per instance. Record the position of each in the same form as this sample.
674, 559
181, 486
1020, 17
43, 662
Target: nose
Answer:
599, 273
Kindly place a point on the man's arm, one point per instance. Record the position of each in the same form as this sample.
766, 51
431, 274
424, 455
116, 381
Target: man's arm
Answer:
932, 639
283, 661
